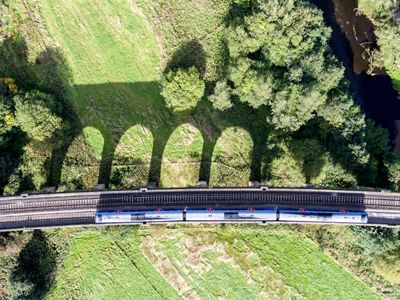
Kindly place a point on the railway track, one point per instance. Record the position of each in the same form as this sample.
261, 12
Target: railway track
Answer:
63, 208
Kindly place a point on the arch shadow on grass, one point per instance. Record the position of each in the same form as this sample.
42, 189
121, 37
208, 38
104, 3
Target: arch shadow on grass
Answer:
161, 124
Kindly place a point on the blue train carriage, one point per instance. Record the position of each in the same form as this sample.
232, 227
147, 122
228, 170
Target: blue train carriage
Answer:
139, 216
217, 215
323, 216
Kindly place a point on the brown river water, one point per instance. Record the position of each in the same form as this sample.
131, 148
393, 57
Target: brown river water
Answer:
358, 29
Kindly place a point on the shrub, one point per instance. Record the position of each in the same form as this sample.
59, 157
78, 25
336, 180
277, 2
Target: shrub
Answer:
182, 89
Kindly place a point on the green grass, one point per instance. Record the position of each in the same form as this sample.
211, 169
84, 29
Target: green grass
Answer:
390, 270
107, 48
108, 267
113, 58
305, 267
395, 75
131, 162
250, 263
182, 157
198, 24
95, 140
388, 266
231, 159
226, 282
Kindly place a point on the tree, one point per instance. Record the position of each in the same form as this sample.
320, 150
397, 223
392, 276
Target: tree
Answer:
377, 139
36, 114
221, 99
279, 57
333, 175
293, 106
310, 153
6, 118
392, 163
255, 89
34, 166
182, 89
286, 170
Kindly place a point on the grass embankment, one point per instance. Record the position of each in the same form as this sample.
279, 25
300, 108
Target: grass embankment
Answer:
210, 262
206, 261
109, 266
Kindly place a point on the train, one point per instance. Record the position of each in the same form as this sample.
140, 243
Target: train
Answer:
205, 215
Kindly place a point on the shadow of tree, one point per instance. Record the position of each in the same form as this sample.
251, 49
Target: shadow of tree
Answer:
310, 153
33, 276
191, 53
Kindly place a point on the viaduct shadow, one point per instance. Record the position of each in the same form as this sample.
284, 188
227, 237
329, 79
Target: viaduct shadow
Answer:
161, 122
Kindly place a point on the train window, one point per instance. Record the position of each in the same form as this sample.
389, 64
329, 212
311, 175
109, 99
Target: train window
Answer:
231, 215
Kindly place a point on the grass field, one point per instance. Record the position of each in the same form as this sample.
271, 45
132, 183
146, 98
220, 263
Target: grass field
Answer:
197, 261
233, 152
201, 262
251, 263
182, 157
180, 32
113, 58
109, 266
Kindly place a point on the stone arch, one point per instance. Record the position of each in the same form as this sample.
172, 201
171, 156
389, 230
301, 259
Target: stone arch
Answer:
181, 160
132, 158
231, 161
81, 163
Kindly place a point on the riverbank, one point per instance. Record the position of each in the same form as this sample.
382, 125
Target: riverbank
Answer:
385, 16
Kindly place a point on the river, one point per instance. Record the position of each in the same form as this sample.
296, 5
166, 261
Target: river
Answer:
375, 94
